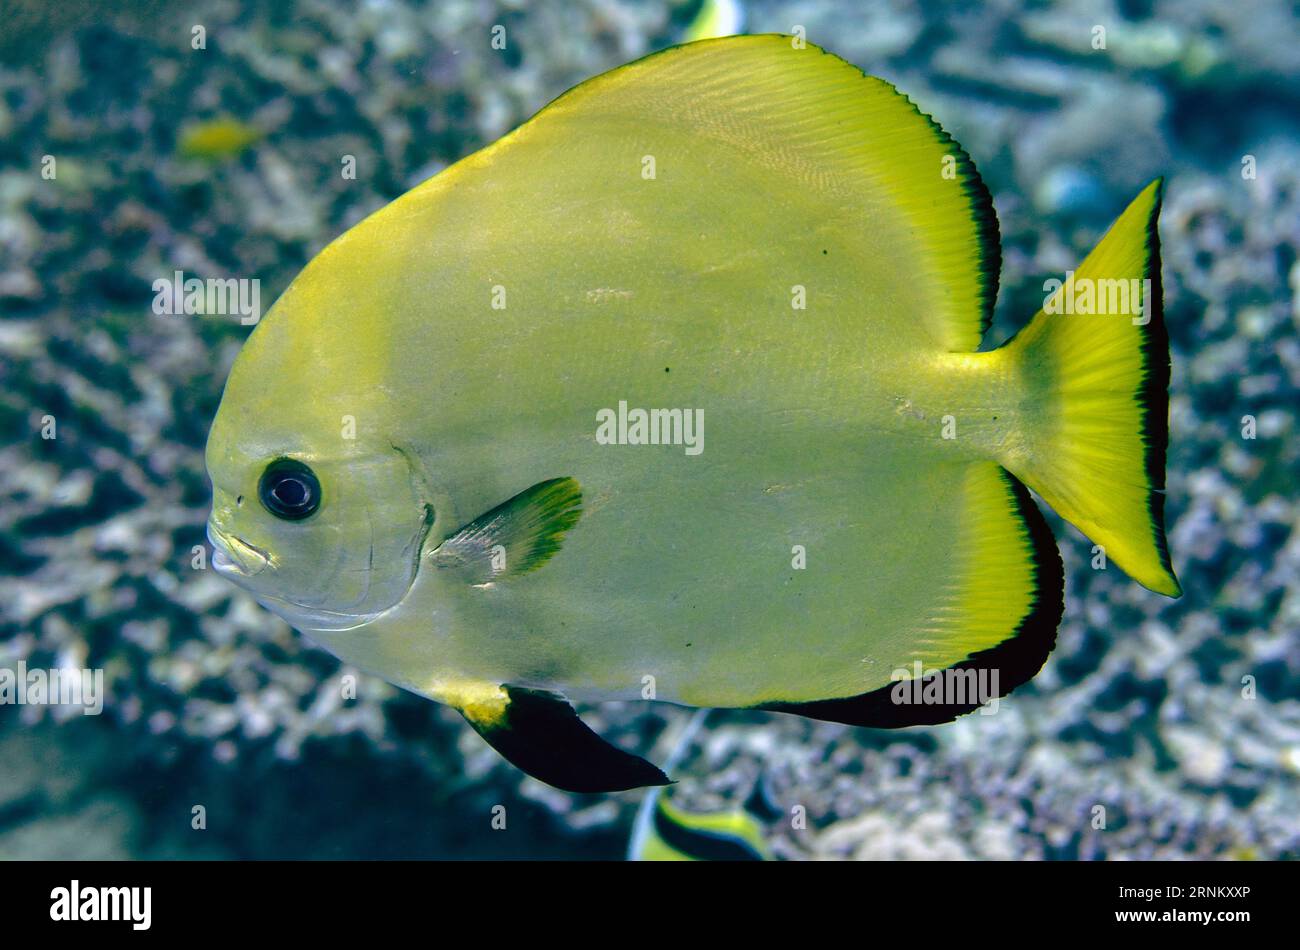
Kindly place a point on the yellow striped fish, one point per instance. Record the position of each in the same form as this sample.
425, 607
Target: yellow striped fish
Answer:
676, 392
673, 834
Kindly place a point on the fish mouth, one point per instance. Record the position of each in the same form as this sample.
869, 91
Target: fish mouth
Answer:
234, 557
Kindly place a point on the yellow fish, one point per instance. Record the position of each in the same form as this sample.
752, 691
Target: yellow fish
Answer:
675, 393
673, 834
664, 832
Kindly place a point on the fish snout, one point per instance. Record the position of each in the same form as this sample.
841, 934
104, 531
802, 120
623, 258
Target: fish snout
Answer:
234, 557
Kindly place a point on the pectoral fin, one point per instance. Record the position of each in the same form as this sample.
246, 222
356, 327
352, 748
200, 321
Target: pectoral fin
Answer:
515, 537
539, 733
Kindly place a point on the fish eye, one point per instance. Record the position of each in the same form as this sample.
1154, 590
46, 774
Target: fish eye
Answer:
289, 490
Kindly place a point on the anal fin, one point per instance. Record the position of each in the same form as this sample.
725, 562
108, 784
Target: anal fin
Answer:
1014, 659
541, 734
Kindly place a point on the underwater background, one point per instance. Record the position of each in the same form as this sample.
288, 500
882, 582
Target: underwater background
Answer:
1179, 720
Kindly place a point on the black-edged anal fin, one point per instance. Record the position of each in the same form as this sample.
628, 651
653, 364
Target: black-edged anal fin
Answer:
541, 734
1016, 659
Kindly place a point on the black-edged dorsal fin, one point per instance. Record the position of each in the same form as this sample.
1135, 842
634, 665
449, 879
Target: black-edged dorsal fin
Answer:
808, 123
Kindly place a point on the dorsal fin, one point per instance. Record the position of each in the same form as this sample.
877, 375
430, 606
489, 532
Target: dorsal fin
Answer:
811, 128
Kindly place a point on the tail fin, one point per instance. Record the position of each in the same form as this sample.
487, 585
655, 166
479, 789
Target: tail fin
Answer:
1095, 363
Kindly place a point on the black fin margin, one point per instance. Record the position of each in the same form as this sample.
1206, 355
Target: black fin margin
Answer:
541, 734
1017, 659
1153, 391
986, 220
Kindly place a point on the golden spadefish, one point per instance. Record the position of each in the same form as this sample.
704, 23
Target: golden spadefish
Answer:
751, 235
